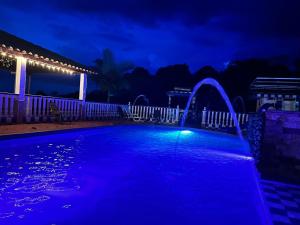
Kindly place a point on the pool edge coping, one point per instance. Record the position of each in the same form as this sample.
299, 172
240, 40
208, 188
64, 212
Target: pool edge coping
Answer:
48, 132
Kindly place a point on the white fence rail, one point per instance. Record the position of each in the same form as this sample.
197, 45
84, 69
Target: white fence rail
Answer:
213, 119
151, 113
38, 108
7, 106
95, 110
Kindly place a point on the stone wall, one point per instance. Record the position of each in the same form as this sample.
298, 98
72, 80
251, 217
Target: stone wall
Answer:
282, 134
255, 128
279, 154
274, 138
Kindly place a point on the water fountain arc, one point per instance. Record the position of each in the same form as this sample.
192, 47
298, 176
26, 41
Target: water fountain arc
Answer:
214, 83
141, 96
239, 99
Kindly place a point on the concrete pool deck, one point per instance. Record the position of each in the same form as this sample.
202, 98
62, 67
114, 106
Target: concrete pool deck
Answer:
44, 127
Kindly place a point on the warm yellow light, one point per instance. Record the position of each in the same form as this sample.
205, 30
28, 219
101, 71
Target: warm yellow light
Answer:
34, 60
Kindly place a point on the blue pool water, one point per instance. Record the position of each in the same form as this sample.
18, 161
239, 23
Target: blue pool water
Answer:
128, 175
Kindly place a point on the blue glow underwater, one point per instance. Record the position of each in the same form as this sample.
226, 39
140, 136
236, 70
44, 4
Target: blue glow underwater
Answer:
129, 175
186, 132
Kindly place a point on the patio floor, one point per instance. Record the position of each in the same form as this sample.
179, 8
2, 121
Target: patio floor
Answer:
42, 127
283, 201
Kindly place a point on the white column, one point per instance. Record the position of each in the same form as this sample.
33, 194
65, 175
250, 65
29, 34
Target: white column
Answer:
20, 81
82, 94
83, 85
20, 86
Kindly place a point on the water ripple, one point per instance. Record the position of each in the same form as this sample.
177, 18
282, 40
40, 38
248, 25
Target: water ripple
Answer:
29, 179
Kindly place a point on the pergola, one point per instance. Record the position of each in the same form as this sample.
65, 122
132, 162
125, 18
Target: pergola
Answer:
26, 53
180, 92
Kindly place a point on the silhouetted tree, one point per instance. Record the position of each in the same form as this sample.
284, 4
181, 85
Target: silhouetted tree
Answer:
140, 82
204, 72
174, 75
297, 67
111, 74
166, 78
235, 78
40, 92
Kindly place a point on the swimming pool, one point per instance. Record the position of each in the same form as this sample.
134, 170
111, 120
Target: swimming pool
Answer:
128, 175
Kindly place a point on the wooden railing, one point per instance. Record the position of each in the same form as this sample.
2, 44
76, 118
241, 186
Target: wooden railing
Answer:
214, 119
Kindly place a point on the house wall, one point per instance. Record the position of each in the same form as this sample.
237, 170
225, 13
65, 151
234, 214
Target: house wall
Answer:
282, 102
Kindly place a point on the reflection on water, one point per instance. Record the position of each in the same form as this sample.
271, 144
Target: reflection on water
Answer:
30, 177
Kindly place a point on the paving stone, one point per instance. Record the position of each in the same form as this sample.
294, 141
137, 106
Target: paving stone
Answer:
283, 202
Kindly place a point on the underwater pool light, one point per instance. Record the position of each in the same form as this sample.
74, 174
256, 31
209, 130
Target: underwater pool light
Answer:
186, 132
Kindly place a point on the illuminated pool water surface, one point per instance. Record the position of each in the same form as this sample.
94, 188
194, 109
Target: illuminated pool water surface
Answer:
128, 175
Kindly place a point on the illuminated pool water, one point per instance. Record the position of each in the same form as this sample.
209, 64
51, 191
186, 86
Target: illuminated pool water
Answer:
128, 175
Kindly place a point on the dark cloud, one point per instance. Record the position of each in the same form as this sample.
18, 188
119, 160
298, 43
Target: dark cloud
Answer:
257, 17
158, 32
120, 38
149, 12
275, 18
63, 32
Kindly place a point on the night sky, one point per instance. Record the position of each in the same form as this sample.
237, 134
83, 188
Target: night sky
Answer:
154, 33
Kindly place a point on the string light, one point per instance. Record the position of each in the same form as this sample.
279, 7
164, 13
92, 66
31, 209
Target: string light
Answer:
5, 61
35, 60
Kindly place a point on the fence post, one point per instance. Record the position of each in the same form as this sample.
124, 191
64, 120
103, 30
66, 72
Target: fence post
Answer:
204, 113
83, 109
129, 108
177, 114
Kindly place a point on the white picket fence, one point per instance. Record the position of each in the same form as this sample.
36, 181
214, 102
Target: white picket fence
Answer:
7, 106
214, 119
96, 110
163, 115
38, 108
